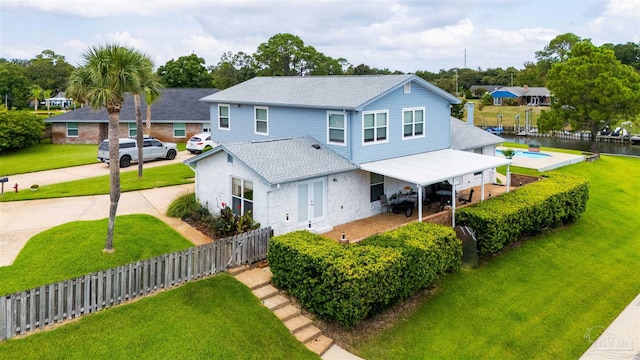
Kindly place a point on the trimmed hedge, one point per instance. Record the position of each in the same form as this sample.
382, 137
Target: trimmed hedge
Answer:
347, 283
556, 200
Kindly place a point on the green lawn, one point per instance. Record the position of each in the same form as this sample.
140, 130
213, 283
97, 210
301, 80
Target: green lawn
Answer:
488, 116
215, 318
41, 157
75, 249
167, 175
539, 299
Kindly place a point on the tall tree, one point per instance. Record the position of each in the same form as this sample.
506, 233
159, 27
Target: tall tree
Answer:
149, 86
49, 70
185, 72
594, 88
108, 73
233, 69
14, 88
556, 51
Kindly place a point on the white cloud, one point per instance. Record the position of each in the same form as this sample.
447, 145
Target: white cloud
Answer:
624, 8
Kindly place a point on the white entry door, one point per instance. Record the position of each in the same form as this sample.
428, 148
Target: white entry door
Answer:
311, 200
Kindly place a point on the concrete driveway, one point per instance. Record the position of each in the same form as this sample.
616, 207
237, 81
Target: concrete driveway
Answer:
20, 220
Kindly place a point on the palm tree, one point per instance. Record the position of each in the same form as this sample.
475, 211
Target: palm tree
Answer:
151, 86
151, 95
108, 73
35, 95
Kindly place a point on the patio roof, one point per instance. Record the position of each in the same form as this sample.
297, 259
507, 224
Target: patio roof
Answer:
433, 167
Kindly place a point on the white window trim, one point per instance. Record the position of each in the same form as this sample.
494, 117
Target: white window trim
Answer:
242, 198
344, 143
376, 184
375, 142
76, 128
228, 117
325, 201
424, 120
174, 130
407, 88
255, 120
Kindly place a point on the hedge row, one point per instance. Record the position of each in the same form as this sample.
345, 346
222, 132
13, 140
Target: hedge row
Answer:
555, 200
347, 283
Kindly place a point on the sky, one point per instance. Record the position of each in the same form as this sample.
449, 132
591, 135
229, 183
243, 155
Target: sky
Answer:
398, 35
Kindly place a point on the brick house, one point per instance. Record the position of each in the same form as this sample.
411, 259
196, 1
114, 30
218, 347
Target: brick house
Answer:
176, 116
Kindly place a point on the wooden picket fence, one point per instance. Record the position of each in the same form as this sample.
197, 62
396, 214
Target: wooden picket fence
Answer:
36, 308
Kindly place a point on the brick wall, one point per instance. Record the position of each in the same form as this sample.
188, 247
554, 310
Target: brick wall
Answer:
95, 133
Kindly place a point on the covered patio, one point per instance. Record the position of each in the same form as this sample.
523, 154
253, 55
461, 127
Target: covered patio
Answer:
421, 170
360, 229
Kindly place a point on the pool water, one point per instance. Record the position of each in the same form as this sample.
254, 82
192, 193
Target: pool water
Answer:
526, 154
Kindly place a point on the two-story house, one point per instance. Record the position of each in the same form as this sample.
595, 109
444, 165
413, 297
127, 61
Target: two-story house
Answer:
316, 152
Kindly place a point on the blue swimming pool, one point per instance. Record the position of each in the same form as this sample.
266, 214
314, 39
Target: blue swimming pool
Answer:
527, 154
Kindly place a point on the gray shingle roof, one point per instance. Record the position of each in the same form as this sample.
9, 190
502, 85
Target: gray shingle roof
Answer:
285, 160
337, 92
466, 137
174, 105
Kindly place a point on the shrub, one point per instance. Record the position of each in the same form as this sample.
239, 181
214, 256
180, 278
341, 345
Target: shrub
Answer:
19, 129
556, 200
228, 224
508, 153
347, 283
487, 99
186, 205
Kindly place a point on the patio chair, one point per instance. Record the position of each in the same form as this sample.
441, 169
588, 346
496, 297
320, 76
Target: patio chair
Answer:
384, 202
466, 200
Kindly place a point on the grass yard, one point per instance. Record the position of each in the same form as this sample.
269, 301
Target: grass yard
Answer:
536, 300
41, 157
215, 318
488, 116
75, 249
167, 175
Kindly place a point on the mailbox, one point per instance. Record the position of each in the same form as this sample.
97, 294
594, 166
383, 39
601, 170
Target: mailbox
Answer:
2, 181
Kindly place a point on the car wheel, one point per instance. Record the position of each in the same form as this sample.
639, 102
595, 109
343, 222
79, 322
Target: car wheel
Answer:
207, 148
125, 161
171, 154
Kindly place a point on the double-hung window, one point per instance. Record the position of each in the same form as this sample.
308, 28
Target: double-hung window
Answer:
133, 130
179, 130
261, 120
375, 126
223, 117
241, 196
336, 130
72, 129
412, 122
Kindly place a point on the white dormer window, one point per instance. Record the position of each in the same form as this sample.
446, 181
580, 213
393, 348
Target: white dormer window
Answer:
407, 88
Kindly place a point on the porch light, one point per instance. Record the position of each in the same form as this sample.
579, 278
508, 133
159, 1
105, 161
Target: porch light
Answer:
287, 217
343, 236
309, 224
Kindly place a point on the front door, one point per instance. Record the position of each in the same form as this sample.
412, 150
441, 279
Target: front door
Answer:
311, 200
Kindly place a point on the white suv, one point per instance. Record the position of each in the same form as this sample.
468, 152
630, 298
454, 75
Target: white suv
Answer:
200, 142
153, 149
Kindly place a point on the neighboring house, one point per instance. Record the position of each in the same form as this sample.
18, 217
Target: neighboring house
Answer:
59, 100
531, 96
175, 116
316, 152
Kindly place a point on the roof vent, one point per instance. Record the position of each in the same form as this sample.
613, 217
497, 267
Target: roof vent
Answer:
316, 146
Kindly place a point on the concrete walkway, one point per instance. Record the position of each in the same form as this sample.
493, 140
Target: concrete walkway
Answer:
20, 220
621, 340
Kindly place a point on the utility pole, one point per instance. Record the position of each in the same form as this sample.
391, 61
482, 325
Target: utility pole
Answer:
456, 82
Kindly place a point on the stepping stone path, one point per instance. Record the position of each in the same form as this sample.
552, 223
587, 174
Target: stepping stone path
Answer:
259, 281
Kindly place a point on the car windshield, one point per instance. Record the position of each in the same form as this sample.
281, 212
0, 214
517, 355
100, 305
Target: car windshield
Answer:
195, 138
104, 145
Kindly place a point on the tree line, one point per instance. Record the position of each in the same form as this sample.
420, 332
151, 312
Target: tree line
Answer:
25, 83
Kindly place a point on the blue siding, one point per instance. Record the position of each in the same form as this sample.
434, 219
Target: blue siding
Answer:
283, 123
290, 122
437, 132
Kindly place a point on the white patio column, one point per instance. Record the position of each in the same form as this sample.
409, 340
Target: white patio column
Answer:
419, 202
508, 178
482, 186
453, 203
